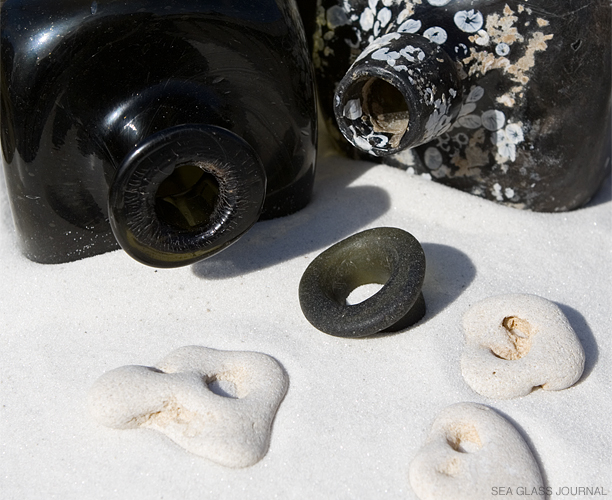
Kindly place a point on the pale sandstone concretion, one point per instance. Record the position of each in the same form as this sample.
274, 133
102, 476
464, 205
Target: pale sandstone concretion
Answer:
516, 342
175, 397
469, 451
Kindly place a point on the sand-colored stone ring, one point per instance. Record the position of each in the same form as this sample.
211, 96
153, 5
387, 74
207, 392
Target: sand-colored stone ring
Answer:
387, 256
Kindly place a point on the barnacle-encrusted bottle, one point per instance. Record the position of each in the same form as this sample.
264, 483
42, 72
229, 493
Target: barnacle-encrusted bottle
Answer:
508, 100
166, 127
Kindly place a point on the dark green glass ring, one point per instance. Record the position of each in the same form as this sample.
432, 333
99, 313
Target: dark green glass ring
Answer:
388, 256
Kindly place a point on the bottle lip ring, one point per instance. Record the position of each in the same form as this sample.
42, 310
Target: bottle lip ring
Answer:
386, 255
228, 158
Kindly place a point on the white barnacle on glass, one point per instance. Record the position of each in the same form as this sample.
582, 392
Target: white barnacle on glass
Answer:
502, 49
497, 192
509, 192
380, 54
336, 17
461, 49
352, 109
475, 94
392, 57
353, 44
467, 108
435, 34
366, 20
437, 3
482, 38
368, 142
384, 16
380, 140
361, 143
461, 139
506, 140
412, 53
438, 121
429, 96
410, 26
374, 45
441, 172
443, 142
384, 55
376, 29
432, 158
493, 119
469, 121
514, 133
469, 21
505, 149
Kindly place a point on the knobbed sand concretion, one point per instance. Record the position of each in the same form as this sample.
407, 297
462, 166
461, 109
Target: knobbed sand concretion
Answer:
216, 404
514, 343
470, 451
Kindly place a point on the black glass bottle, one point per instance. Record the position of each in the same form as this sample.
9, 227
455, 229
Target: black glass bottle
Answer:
168, 128
508, 100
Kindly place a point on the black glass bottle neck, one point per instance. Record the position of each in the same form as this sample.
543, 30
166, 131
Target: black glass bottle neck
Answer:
402, 91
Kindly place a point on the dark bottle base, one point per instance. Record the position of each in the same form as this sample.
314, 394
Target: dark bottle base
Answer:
100, 85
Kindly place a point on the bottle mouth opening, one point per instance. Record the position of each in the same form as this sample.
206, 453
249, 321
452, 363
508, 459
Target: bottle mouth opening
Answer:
386, 104
374, 115
385, 107
187, 198
184, 194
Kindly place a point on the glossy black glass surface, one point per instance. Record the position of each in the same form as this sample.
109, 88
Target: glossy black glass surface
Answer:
87, 86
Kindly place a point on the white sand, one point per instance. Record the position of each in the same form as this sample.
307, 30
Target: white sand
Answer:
357, 411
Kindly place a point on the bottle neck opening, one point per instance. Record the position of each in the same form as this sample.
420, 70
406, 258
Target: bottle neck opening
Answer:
386, 109
184, 194
373, 113
401, 92
187, 198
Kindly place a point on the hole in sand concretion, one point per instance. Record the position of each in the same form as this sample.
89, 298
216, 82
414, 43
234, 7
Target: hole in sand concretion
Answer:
222, 387
464, 438
519, 332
